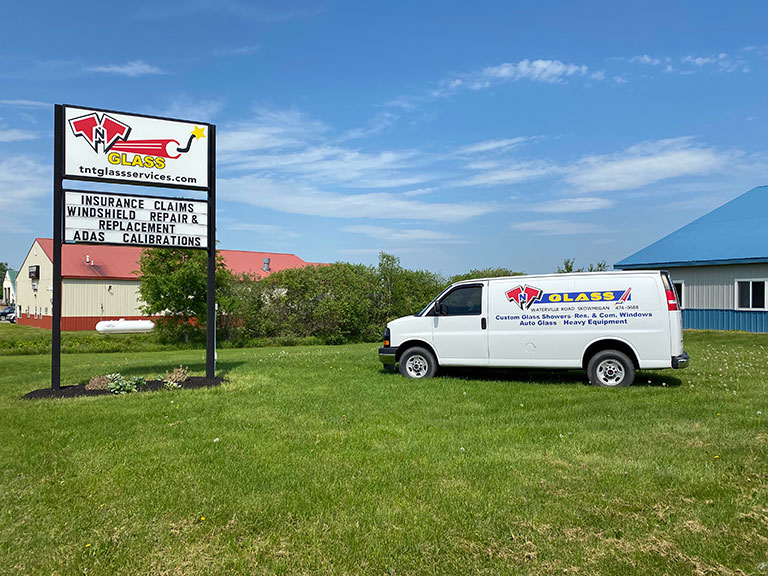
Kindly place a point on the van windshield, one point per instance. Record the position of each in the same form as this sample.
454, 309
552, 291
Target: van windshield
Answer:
428, 306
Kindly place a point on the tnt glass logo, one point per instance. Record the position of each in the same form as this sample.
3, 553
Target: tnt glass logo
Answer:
524, 296
103, 131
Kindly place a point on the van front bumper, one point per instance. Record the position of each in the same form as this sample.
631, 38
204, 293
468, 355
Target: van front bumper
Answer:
387, 354
681, 361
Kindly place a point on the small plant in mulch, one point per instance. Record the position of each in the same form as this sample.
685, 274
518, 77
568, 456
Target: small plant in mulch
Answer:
174, 380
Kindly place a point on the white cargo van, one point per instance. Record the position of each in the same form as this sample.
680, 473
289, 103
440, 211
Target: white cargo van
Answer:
607, 323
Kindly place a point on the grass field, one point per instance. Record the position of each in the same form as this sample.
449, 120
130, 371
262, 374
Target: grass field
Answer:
311, 460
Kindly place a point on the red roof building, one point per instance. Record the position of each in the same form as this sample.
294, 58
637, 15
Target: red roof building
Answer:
102, 282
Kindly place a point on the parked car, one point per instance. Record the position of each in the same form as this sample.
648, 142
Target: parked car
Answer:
11, 317
609, 324
6, 311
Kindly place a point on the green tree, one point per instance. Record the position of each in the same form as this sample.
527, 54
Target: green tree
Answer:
569, 266
174, 284
402, 291
486, 273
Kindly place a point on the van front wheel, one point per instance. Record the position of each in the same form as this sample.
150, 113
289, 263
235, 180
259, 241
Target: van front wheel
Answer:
611, 368
418, 363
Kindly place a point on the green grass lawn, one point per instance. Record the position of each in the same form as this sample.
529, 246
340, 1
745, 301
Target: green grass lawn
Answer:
311, 460
17, 339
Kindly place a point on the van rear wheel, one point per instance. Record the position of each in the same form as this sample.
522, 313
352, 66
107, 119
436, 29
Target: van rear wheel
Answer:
418, 363
611, 368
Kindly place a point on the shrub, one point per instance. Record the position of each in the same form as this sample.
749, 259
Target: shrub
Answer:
118, 384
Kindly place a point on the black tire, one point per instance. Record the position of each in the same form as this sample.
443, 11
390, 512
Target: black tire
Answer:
418, 363
611, 368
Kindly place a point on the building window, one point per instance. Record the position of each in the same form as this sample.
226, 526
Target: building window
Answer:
679, 291
750, 295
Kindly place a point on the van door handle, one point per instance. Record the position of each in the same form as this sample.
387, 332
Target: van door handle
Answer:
483, 324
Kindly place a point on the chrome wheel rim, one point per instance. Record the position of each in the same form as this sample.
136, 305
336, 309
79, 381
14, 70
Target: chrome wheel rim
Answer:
417, 366
610, 373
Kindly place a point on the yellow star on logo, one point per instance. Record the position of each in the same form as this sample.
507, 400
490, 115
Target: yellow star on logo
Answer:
198, 132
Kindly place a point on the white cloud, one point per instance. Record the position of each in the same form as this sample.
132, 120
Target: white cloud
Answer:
568, 205
720, 62
26, 103
545, 71
558, 228
246, 50
395, 235
549, 71
650, 61
380, 122
296, 198
269, 230
512, 174
494, 145
14, 134
267, 129
132, 69
24, 184
334, 165
644, 164
191, 109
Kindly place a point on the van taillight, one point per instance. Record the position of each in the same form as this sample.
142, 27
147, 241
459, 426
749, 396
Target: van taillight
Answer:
671, 300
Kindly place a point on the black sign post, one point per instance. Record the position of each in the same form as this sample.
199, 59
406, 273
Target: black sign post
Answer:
130, 149
210, 340
58, 233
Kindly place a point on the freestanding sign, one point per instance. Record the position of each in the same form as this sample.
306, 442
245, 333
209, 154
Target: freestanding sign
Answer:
115, 147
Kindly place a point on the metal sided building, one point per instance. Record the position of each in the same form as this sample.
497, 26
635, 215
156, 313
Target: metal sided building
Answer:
102, 282
719, 264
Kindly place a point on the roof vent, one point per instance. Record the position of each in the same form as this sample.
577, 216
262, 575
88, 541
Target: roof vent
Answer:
266, 265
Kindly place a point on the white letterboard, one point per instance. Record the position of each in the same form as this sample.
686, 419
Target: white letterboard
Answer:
105, 218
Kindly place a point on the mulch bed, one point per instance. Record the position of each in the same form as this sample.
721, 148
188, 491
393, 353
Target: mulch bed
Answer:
79, 389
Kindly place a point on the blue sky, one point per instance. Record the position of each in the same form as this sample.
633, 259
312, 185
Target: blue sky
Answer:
454, 135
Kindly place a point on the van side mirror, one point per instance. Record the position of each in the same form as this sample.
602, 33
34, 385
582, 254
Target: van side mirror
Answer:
440, 309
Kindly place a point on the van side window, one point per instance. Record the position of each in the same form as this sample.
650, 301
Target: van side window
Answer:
464, 301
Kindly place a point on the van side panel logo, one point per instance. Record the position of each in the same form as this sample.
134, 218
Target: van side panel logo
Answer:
524, 296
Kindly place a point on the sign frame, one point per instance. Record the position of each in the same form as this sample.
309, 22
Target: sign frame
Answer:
59, 175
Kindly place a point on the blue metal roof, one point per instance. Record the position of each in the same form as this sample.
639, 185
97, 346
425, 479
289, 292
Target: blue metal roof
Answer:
737, 232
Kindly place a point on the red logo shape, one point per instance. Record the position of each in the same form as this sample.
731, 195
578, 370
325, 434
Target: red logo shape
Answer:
96, 130
524, 296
